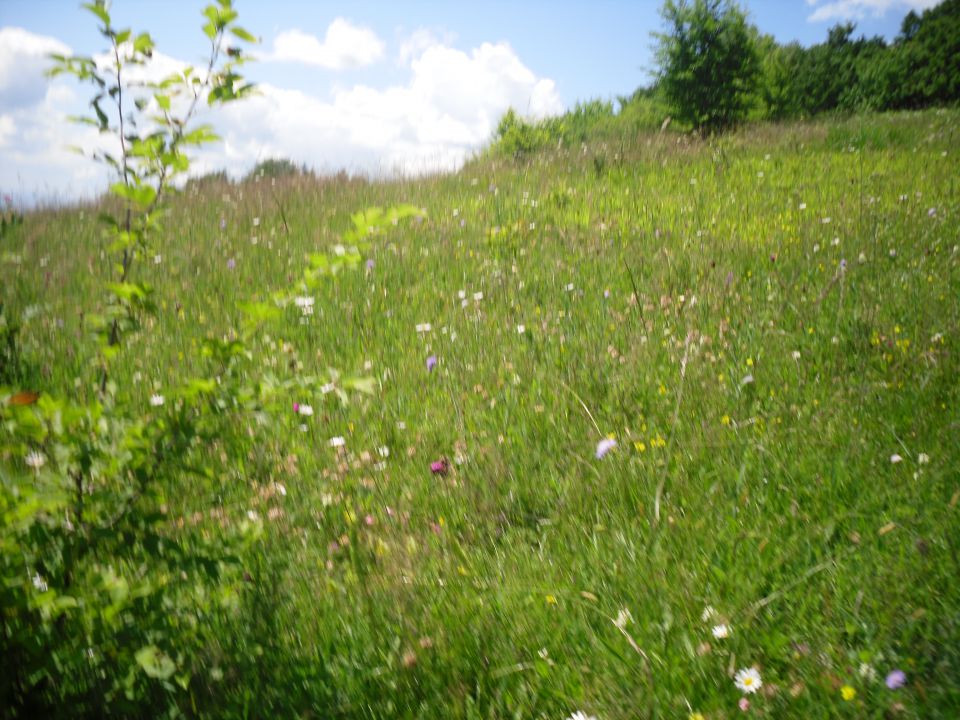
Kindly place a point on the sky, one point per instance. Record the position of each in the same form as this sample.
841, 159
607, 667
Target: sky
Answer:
373, 87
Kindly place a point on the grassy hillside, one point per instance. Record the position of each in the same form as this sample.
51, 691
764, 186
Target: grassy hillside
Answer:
766, 325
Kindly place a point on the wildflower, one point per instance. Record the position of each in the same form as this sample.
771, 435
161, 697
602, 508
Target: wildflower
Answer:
431, 363
252, 515
848, 693
440, 467
748, 680
39, 583
867, 672
796, 355
231, 264
424, 327
896, 679
721, 631
605, 446
337, 441
305, 410
157, 259
521, 329
477, 296
223, 224
708, 613
744, 704
35, 460
580, 715
923, 459
156, 400
747, 379
305, 303
256, 222
696, 716
895, 458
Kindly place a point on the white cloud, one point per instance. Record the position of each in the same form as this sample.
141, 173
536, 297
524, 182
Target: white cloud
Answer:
23, 60
448, 108
858, 9
414, 45
445, 106
344, 46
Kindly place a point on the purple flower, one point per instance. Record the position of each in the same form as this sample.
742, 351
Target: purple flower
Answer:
223, 224
231, 264
605, 446
440, 467
431, 362
896, 679
370, 264
843, 265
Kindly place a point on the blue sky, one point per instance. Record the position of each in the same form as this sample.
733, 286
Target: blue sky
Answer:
409, 86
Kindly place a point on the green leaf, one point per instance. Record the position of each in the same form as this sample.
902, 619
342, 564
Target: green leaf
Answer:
143, 43
200, 135
243, 34
155, 663
163, 101
210, 30
123, 36
99, 10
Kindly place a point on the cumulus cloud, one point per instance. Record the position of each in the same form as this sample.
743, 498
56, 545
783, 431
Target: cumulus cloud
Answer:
444, 106
23, 60
858, 9
345, 46
447, 109
421, 39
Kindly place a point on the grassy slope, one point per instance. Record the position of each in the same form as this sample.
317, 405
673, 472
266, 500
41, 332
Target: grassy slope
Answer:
492, 592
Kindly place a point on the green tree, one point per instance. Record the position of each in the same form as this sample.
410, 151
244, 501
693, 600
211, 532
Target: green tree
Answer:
709, 64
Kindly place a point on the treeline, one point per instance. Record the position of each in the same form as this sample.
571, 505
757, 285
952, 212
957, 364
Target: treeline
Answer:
919, 69
715, 70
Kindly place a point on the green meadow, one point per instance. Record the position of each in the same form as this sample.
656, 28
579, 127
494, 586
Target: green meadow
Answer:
396, 500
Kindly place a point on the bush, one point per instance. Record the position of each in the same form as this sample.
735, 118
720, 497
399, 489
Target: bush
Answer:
709, 64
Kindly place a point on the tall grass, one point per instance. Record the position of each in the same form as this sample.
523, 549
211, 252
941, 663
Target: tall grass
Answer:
767, 326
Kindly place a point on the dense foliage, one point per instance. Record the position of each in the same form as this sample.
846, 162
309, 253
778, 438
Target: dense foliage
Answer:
709, 62
716, 70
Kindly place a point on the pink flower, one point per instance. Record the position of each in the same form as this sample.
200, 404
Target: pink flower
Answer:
605, 446
440, 467
896, 679
744, 704
296, 407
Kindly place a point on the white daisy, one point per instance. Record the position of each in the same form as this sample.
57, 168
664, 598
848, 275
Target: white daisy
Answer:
748, 680
35, 460
156, 400
721, 631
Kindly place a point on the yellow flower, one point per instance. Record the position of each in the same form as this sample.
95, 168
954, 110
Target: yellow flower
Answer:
551, 600
697, 716
848, 693
749, 362
725, 420
639, 446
